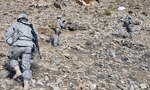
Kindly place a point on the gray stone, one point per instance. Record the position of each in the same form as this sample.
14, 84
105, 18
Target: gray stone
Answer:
73, 26
98, 1
143, 86
147, 54
119, 35
3, 86
89, 42
3, 74
121, 86
92, 86
124, 58
145, 67
58, 5
46, 78
2, 55
32, 83
40, 83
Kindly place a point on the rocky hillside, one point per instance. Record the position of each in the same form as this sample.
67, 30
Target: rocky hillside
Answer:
96, 52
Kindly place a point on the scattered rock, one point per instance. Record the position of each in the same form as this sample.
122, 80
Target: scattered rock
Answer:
121, 86
3, 86
3, 74
143, 86
145, 67
147, 54
89, 42
83, 27
121, 8
98, 1
55, 87
75, 26
119, 35
124, 58
92, 86
81, 86
90, 54
40, 83
129, 44
80, 49
130, 12
72, 26
2, 55
137, 23
79, 2
58, 5
46, 78
32, 83
145, 13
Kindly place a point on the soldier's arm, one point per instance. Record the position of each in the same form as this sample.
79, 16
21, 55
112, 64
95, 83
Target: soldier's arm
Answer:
130, 22
9, 31
8, 35
62, 23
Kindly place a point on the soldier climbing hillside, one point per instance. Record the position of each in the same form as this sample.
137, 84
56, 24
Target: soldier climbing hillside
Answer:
20, 36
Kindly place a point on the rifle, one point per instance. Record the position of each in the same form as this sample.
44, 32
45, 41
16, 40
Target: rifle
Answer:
35, 40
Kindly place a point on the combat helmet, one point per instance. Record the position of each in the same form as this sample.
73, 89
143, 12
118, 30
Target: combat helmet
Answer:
22, 16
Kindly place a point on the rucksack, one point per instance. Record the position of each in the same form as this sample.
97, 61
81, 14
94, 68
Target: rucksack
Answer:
54, 24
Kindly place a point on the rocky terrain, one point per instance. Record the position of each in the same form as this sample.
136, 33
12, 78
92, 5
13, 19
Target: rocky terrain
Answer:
96, 52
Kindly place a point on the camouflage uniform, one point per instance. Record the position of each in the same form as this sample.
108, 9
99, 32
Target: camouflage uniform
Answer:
55, 39
22, 46
128, 23
60, 25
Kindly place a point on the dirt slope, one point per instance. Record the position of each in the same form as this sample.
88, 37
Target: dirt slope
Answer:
90, 57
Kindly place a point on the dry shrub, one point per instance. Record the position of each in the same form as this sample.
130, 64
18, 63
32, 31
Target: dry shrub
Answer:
108, 12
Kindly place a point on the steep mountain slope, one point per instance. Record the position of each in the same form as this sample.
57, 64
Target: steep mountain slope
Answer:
94, 54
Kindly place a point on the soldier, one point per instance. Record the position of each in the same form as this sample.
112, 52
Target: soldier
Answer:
55, 39
60, 25
128, 23
20, 37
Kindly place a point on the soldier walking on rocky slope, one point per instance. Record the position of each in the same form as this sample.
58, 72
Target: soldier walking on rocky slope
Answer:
55, 39
20, 37
128, 23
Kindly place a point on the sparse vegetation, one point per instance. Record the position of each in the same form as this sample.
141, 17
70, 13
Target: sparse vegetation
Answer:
92, 33
108, 12
95, 53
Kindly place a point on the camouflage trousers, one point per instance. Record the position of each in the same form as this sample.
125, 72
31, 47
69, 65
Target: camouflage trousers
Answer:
23, 55
58, 31
55, 40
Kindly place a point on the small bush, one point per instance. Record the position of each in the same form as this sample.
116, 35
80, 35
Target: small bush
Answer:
92, 33
108, 12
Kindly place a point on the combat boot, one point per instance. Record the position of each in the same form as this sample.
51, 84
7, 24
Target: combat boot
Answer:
26, 85
18, 72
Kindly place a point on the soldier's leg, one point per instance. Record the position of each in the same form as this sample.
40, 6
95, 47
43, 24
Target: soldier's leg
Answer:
52, 40
13, 60
129, 30
55, 42
59, 41
130, 35
18, 71
26, 64
57, 31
